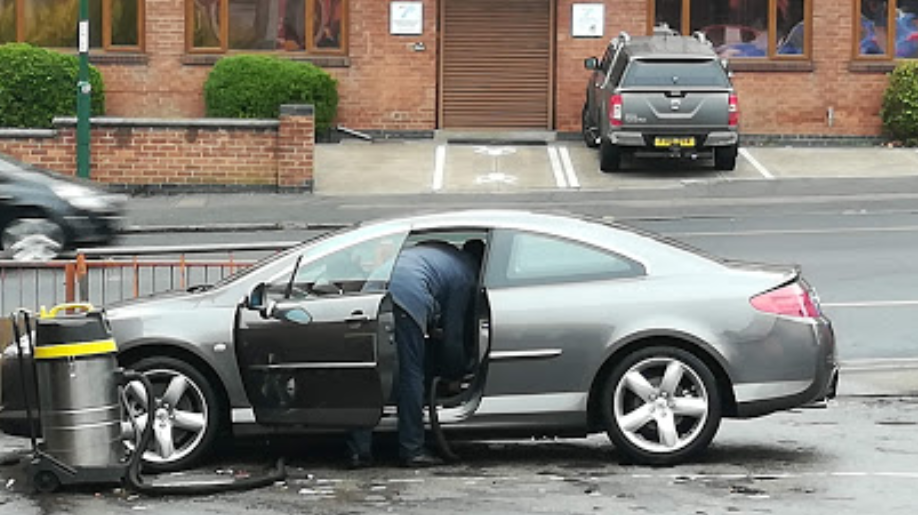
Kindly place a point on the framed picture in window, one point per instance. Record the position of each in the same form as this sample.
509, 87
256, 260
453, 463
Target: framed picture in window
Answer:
588, 20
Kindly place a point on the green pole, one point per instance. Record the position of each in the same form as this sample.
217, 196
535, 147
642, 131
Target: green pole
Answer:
84, 91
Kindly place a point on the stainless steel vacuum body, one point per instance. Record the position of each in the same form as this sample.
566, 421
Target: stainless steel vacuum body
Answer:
75, 364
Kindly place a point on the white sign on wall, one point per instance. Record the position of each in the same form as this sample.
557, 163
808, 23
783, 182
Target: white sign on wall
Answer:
406, 18
588, 20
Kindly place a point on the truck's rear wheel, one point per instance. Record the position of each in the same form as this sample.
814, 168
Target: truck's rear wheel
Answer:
610, 156
725, 158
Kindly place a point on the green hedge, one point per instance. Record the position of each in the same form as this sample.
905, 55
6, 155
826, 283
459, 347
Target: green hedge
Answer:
900, 104
37, 84
251, 86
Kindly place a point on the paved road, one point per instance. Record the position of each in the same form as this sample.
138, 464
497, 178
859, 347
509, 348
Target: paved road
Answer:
856, 457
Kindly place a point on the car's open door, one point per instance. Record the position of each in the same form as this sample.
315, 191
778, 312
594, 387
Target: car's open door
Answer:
316, 350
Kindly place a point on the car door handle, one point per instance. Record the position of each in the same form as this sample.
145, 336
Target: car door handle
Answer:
357, 317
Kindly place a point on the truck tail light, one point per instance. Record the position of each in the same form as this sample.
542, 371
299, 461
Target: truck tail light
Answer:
792, 300
615, 111
733, 110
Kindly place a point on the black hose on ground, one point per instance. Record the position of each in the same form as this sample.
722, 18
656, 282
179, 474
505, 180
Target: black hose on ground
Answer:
445, 451
134, 479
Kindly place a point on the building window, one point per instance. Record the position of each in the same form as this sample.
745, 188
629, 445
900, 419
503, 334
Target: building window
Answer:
314, 26
114, 24
763, 29
887, 29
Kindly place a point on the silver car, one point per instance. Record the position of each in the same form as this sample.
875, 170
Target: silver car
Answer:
579, 327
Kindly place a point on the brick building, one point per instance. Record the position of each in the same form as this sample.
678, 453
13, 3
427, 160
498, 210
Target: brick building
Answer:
802, 67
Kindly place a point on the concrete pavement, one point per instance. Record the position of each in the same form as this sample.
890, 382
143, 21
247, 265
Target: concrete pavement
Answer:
430, 166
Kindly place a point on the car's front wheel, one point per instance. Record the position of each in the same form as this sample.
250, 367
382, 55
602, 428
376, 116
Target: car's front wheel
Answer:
32, 238
587, 128
185, 419
661, 406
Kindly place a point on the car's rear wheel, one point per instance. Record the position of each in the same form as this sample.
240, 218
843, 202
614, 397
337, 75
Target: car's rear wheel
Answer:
725, 158
661, 406
587, 128
610, 156
32, 238
186, 420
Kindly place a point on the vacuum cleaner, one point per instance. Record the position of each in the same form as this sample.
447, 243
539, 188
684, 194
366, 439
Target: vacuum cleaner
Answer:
81, 405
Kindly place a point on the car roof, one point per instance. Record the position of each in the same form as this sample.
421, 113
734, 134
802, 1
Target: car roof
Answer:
669, 47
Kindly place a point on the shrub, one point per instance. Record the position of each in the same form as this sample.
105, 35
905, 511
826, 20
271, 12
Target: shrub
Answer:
250, 86
37, 84
900, 104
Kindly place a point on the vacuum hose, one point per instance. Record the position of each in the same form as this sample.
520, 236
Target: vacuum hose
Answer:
135, 481
435, 428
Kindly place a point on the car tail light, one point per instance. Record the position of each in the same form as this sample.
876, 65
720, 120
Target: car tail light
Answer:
733, 110
792, 300
615, 110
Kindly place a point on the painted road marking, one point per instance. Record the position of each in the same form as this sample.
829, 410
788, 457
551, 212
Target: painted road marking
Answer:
871, 304
757, 165
569, 172
841, 230
439, 168
556, 168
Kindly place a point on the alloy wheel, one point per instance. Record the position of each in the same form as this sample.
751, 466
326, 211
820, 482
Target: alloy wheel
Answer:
32, 239
180, 417
661, 405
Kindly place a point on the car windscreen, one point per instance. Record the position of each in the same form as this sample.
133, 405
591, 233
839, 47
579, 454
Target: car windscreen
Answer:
668, 73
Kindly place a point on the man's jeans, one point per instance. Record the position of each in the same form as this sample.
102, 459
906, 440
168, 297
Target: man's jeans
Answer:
409, 342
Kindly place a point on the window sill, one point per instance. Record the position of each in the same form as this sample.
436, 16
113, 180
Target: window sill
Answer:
871, 66
119, 58
324, 61
749, 65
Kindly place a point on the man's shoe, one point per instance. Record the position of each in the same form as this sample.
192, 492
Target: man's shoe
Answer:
357, 461
422, 460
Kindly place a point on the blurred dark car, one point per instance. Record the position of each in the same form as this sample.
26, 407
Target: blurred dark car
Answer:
43, 213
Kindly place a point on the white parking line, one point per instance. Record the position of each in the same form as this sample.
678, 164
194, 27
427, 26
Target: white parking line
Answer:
569, 172
439, 168
758, 166
556, 167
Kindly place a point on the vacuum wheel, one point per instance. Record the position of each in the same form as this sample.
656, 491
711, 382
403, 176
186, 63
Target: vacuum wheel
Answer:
46, 481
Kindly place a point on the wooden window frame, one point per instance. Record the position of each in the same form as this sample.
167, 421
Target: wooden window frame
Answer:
311, 49
890, 55
686, 27
106, 27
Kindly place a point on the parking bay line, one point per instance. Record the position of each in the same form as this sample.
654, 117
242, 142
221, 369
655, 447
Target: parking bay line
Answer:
569, 172
439, 168
556, 168
756, 164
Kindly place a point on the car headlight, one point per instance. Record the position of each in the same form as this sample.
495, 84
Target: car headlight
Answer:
82, 197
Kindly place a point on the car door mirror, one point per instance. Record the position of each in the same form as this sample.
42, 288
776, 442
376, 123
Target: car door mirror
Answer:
255, 300
591, 63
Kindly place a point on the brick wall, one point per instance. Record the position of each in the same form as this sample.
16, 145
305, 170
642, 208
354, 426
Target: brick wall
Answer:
386, 85
186, 155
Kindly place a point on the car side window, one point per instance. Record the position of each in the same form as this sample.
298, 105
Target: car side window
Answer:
361, 268
607, 59
528, 259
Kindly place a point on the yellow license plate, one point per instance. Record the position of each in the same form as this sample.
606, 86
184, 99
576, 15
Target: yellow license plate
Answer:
674, 142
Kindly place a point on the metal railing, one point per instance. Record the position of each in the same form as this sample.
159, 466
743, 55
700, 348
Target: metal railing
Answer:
103, 276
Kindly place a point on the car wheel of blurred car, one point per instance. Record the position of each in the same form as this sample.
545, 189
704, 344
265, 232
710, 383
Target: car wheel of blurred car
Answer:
610, 156
34, 238
185, 421
661, 406
725, 158
587, 128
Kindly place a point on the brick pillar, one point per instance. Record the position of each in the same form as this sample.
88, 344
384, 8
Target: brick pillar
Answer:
296, 140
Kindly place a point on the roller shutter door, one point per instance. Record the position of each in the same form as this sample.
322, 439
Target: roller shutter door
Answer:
496, 62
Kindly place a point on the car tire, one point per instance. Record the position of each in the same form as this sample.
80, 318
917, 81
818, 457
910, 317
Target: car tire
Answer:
33, 237
610, 156
725, 158
187, 426
636, 401
587, 129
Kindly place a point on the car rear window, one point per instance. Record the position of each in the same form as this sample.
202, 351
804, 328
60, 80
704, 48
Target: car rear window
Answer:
695, 73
